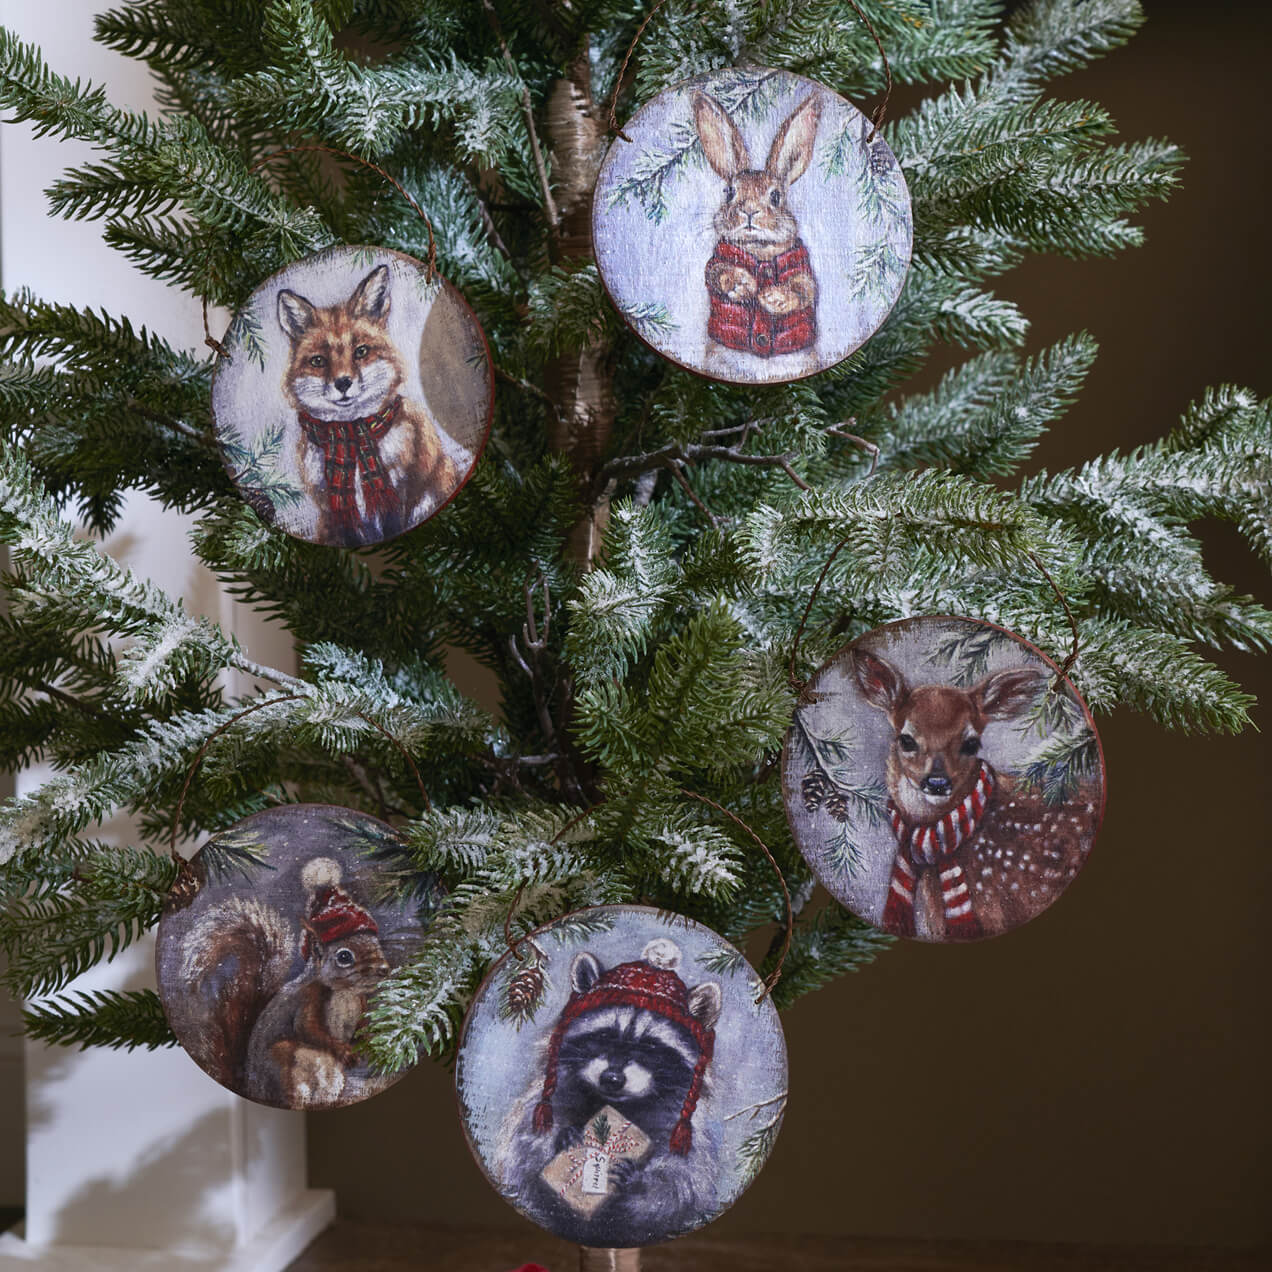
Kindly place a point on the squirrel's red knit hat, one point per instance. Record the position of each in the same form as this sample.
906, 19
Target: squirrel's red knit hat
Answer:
649, 984
333, 913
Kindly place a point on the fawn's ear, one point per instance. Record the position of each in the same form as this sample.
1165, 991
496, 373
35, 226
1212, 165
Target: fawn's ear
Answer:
721, 142
705, 1001
792, 150
881, 683
585, 971
295, 314
1007, 693
371, 299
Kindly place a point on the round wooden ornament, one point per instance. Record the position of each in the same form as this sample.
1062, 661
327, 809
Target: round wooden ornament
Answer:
269, 944
619, 1083
752, 229
942, 779
355, 398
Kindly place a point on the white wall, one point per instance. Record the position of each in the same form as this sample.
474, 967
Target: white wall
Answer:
139, 1150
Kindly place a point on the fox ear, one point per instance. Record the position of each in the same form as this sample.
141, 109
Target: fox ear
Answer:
1007, 693
705, 1002
295, 314
880, 682
371, 299
792, 150
585, 971
721, 141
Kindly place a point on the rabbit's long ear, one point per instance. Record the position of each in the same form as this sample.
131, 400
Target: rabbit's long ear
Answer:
792, 150
721, 141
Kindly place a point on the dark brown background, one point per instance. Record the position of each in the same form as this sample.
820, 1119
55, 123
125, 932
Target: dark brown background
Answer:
1102, 1074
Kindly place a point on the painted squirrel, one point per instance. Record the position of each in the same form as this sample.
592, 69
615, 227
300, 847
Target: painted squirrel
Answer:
277, 1035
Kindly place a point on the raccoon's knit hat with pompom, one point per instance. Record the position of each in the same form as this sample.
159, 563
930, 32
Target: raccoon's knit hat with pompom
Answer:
649, 984
333, 913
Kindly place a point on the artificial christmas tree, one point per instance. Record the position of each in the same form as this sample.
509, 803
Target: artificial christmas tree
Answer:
661, 665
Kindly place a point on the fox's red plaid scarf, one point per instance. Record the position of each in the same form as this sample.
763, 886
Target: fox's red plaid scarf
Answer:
934, 844
349, 450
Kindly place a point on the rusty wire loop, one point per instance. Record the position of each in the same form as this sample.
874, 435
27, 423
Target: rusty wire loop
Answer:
622, 72
1067, 666
799, 686
257, 706
515, 944
795, 682
770, 981
314, 147
880, 112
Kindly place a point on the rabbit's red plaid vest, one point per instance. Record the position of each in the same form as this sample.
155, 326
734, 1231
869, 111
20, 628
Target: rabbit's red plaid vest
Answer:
743, 324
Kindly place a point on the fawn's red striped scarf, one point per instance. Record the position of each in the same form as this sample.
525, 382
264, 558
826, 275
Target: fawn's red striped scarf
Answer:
349, 450
933, 845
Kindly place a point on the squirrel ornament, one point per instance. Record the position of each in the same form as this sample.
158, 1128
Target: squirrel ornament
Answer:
285, 996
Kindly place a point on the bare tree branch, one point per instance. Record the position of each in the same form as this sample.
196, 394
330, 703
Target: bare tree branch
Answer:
527, 109
693, 453
674, 467
861, 443
533, 390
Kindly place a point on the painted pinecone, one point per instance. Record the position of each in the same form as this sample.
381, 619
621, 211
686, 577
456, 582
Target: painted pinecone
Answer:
819, 790
880, 160
524, 991
261, 504
184, 888
816, 786
837, 805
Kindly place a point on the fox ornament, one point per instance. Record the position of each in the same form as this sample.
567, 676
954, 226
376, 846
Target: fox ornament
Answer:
754, 229
354, 398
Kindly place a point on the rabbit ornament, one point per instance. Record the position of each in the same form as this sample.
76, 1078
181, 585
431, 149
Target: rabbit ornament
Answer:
751, 226
760, 280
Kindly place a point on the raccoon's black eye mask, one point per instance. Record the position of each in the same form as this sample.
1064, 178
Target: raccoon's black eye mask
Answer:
619, 1047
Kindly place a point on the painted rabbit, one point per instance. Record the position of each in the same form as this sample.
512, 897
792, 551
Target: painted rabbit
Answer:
759, 278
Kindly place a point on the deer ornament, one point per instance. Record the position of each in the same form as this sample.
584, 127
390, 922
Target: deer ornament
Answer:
998, 854
966, 847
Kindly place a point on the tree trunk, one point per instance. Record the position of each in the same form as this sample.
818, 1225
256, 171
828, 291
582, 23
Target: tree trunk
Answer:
591, 1260
581, 383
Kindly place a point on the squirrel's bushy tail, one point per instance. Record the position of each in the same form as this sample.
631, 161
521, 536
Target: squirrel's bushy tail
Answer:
238, 953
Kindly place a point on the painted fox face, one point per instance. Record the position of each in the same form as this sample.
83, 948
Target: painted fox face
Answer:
343, 364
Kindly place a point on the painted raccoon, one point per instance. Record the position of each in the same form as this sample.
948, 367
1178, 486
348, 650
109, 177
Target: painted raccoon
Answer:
638, 1039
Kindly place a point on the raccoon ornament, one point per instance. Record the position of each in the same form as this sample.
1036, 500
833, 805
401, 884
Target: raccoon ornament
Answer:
618, 1083
750, 227
353, 396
